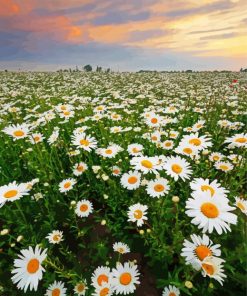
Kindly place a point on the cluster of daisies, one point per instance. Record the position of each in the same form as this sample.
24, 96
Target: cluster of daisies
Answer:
145, 144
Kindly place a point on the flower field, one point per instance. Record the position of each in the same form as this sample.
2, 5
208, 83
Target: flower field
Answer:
123, 184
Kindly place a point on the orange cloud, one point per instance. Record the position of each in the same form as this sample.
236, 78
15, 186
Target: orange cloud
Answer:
8, 8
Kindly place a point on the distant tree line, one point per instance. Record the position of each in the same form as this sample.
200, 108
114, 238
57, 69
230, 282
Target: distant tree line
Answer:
86, 68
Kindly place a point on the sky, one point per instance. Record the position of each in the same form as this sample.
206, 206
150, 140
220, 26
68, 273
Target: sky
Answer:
124, 35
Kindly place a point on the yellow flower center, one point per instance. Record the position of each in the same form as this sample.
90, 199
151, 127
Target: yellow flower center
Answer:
147, 164
10, 193
37, 138
80, 287
104, 292
168, 144
154, 138
56, 237
159, 188
176, 168
67, 185
154, 120
80, 168
33, 265
187, 150
241, 140
209, 210
216, 157
132, 180
83, 208
207, 187
84, 142
55, 292
172, 294
241, 206
108, 151
18, 133
202, 252
102, 278
138, 214
196, 142
208, 268
125, 278
224, 167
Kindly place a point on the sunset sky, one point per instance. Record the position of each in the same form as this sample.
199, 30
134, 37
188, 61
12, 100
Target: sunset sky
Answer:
123, 34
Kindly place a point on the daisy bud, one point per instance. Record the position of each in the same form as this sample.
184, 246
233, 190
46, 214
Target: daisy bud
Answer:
188, 284
95, 168
141, 232
73, 202
12, 245
29, 149
105, 177
105, 196
103, 222
19, 238
149, 230
205, 152
46, 184
4, 231
211, 285
175, 199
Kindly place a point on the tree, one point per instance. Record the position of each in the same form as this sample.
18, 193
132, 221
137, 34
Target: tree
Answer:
88, 68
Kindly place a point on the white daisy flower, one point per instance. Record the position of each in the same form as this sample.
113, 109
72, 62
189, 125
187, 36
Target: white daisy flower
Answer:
121, 248
125, 278
104, 290
158, 187
79, 168
55, 237
197, 250
102, 274
131, 180
177, 167
28, 269
146, 164
212, 267
66, 185
171, 291
12, 192
137, 213
210, 213
83, 141
224, 166
56, 289
241, 204
81, 288
135, 149
18, 131
84, 208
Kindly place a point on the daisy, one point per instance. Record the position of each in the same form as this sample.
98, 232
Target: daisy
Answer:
146, 164
109, 152
83, 141
101, 275
158, 187
80, 130
103, 290
201, 142
66, 185
12, 192
168, 145
171, 291
210, 213
79, 168
131, 180
28, 269
177, 167
53, 137
173, 134
199, 125
121, 248
55, 237
154, 120
216, 156
187, 150
224, 166
18, 131
215, 189
116, 171
81, 288
135, 149
197, 250
84, 208
36, 138
125, 278
137, 213
212, 267
56, 289
241, 204
239, 140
